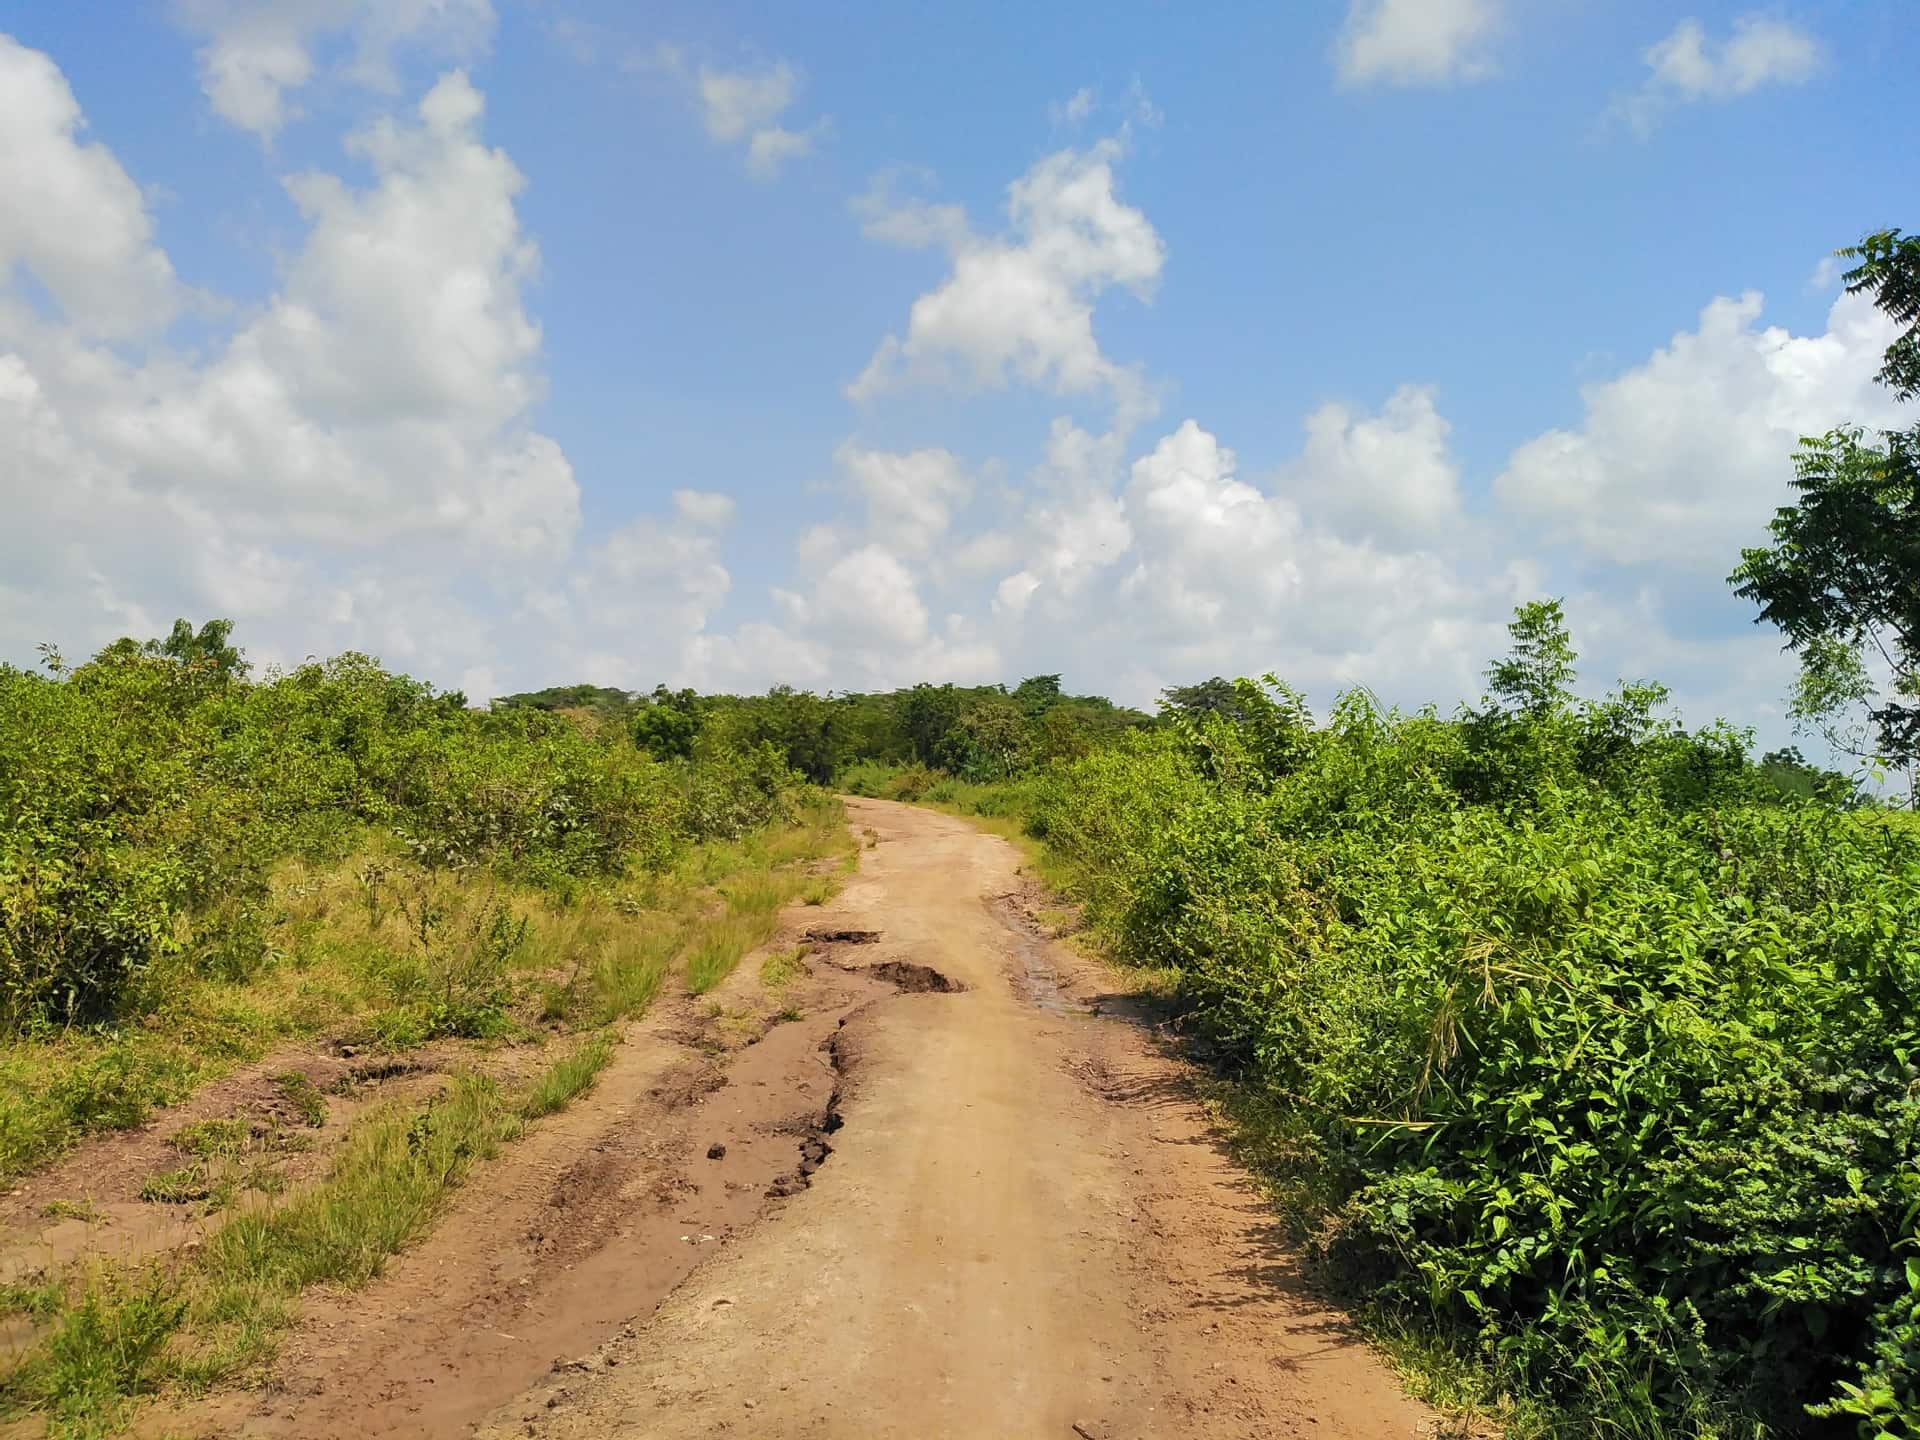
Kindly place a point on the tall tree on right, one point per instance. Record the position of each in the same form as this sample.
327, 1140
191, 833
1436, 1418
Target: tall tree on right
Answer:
1842, 576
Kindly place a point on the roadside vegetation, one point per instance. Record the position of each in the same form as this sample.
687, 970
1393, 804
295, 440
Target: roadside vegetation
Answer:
1580, 1048
199, 869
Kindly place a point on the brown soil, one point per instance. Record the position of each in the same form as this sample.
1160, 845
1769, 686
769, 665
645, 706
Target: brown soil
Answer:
1026, 1227
103, 1176
960, 1195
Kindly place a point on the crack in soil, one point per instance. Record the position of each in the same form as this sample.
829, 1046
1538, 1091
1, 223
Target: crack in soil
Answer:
814, 1147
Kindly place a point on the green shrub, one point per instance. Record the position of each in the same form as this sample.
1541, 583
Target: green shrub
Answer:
146, 796
1608, 1047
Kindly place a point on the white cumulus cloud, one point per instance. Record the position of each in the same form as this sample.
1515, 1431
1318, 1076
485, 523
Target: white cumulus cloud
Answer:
1688, 65
1019, 305
1417, 42
910, 496
1681, 460
1387, 476
72, 216
744, 107
258, 53
354, 464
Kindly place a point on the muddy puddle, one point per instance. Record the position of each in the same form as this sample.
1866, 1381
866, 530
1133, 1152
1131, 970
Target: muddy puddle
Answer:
1036, 979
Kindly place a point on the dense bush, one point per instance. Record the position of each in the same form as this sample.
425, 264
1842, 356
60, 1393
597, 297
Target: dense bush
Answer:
1606, 1045
146, 795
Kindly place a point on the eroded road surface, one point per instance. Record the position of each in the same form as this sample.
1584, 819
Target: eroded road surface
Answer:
1023, 1228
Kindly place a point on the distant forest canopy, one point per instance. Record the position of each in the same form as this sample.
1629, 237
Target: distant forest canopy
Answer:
977, 733
980, 731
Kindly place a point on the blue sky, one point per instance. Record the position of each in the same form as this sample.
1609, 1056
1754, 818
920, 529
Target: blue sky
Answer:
858, 344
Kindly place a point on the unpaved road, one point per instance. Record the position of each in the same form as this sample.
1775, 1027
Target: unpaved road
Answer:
937, 1184
1024, 1228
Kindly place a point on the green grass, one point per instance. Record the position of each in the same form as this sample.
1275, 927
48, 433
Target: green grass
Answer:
753, 897
783, 967
720, 945
305, 1097
350, 963
211, 1139
388, 1182
569, 1077
63, 1209
630, 969
121, 1333
107, 1348
38, 1298
180, 1186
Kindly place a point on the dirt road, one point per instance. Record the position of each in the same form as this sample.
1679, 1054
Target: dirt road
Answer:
929, 1180
1022, 1229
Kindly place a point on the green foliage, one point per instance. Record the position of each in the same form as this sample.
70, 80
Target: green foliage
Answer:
207, 649
1604, 1044
601, 698
1889, 269
1842, 577
1842, 582
1536, 675
1788, 770
668, 725
303, 1096
1217, 696
223, 1137
458, 984
180, 1186
146, 796
1038, 694
806, 730
107, 1347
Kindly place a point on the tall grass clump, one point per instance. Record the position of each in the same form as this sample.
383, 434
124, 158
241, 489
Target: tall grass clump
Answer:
1603, 1049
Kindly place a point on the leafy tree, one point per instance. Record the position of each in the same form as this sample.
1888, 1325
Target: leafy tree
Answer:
927, 713
1267, 733
1038, 694
1789, 771
1217, 696
1066, 732
208, 647
989, 740
1841, 579
568, 697
1842, 583
808, 731
667, 726
1537, 674
1890, 267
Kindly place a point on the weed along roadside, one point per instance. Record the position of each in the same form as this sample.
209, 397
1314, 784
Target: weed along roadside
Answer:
353, 1040
1479, 996
1577, 1050
212, 1311
333, 942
